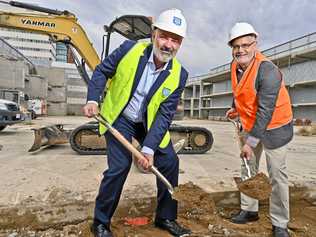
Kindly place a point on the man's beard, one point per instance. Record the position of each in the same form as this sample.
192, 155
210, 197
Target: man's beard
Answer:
164, 55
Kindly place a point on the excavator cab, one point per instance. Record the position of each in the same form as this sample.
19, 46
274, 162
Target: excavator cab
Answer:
132, 27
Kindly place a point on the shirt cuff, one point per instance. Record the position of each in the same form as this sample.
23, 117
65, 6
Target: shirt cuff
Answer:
92, 102
148, 150
252, 141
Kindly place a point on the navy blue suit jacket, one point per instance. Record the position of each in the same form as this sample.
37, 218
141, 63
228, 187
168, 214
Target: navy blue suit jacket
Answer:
107, 68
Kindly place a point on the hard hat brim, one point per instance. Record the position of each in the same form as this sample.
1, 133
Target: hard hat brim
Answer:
173, 30
252, 33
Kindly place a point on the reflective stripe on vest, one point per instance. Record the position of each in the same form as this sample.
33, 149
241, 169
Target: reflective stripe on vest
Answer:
245, 97
121, 84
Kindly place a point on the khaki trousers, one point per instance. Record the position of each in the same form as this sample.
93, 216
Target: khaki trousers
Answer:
279, 200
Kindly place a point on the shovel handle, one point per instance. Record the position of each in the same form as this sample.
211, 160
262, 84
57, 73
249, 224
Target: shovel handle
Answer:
237, 131
162, 178
247, 166
138, 155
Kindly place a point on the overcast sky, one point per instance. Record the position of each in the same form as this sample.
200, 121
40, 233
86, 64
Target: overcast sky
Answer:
209, 22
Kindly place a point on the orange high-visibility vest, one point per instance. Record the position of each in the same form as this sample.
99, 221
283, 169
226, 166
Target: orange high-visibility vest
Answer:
245, 97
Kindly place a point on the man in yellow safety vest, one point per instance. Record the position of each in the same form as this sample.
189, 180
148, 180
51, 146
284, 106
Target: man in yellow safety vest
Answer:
146, 84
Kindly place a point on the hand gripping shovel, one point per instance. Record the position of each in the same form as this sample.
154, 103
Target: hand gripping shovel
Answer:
138, 155
258, 186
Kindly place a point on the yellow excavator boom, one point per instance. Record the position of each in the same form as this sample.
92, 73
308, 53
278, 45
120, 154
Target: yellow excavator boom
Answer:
64, 28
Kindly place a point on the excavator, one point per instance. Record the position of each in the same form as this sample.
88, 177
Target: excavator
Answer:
63, 26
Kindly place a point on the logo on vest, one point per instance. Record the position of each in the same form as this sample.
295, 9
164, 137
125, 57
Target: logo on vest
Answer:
177, 21
165, 92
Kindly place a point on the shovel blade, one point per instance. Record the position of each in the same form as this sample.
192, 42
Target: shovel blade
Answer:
237, 180
257, 187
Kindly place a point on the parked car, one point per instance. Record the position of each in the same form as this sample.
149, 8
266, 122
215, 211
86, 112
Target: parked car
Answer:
9, 113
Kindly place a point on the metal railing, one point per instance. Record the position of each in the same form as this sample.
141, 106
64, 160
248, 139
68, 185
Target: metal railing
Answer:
304, 42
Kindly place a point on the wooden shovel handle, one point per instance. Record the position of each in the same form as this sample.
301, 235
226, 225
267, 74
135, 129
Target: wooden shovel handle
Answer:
137, 155
127, 144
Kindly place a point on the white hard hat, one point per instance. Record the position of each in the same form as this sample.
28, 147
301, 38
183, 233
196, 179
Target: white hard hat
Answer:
241, 29
172, 21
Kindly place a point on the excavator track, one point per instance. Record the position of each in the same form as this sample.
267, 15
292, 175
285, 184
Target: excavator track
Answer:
86, 140
198, 140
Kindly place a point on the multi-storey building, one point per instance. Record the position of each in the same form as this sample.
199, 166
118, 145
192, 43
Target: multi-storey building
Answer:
36, 47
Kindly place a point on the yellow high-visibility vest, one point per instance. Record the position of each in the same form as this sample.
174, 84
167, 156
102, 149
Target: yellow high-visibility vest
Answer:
120, 88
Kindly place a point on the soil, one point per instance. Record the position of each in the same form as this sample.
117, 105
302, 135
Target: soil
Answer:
206, 214
257, 187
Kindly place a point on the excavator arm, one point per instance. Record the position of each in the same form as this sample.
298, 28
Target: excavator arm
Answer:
61, 26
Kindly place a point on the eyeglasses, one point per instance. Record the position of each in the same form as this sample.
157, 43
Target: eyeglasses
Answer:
243, 46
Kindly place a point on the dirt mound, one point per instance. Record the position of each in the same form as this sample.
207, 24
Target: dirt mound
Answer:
206, 214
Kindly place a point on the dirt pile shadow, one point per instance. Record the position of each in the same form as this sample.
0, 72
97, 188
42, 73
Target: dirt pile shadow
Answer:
206, 214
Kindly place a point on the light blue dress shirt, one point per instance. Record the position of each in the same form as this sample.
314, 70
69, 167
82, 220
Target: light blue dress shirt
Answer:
133, 111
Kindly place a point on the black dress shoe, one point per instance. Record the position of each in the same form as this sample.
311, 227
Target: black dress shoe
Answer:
244, 217
100, 230
280, 232
172, 227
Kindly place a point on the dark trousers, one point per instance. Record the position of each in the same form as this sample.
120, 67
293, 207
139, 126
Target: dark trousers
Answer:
119, 163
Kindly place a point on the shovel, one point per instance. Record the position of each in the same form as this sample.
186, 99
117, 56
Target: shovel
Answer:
136, 154
258, 186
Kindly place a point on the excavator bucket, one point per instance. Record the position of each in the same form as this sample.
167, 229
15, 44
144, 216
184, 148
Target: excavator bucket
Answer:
49, 135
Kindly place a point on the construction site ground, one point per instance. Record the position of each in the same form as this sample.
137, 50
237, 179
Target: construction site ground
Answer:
51, 192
